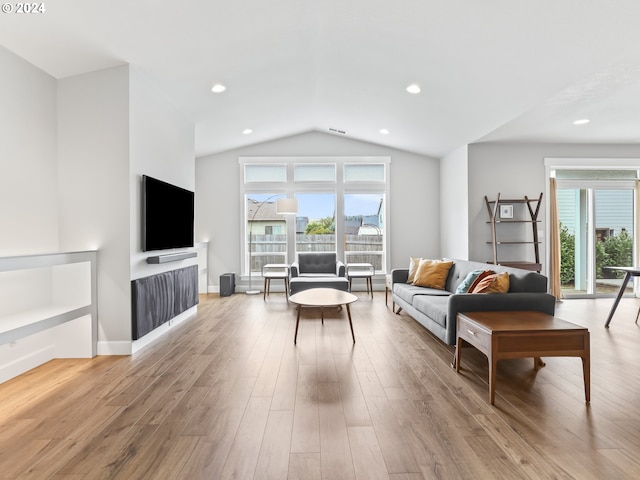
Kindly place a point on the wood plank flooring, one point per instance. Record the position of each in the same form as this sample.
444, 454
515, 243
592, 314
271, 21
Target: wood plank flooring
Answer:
227, 395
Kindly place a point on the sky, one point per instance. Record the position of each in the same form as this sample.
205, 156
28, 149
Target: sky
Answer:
320, 205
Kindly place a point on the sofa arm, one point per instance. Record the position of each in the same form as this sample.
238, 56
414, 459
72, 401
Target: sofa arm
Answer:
341, 270
399, 275
488, 302
294, 270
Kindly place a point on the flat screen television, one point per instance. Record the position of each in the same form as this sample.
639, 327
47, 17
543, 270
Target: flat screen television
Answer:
167, 215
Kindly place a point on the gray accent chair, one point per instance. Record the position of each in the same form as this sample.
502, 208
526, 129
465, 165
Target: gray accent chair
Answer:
318, 270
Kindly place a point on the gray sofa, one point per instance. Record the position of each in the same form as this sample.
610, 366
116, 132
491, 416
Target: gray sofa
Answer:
437, 310
317, 270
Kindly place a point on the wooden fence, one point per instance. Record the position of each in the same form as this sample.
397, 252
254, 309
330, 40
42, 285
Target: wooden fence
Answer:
358, 248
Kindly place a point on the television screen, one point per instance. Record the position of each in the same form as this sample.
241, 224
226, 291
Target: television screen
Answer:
167, 215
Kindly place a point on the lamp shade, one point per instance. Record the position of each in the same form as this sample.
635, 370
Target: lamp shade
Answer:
287, 205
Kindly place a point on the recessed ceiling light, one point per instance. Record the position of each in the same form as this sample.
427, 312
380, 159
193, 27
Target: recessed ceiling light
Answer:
384, 131
582, 121
413, 88
218, 88
247, 131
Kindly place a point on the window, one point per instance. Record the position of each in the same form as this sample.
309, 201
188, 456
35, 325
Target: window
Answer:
265, 173
315, 173
364, 229
364, 173
266, 240
342, 208
316, 222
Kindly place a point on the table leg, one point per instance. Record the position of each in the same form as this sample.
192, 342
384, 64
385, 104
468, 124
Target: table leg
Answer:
295, 337
264, 295
493, 367
350, 323
286, 288
370, 286
457, 355
586, 369
617, 300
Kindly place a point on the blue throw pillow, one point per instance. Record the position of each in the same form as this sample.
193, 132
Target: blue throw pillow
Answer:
467, 282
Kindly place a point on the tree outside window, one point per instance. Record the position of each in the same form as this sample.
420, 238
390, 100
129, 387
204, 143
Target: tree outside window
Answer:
315, 222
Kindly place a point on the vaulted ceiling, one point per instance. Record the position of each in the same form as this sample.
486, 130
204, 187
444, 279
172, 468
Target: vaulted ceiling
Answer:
492, 70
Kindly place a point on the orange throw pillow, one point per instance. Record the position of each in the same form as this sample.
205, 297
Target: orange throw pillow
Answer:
432, 274
479, 278
496, 283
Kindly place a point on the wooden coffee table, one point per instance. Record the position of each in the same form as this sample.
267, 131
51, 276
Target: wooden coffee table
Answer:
502, 335
323, 297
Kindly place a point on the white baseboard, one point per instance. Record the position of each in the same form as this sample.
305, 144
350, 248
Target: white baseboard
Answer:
26, 362
114, 348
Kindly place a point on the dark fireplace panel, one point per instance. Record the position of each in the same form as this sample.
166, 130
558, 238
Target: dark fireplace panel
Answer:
159, 298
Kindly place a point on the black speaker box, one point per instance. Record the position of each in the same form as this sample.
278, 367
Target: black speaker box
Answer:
227, 284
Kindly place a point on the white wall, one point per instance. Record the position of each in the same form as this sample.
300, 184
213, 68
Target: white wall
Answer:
515, 170
162, 146
93, 159
28, 200
28, 189
414, 202
72, 154
454, 204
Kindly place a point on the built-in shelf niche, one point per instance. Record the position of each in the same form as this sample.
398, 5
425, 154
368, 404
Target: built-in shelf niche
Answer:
47, 303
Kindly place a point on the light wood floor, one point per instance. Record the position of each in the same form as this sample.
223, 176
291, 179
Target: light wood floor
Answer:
228, 395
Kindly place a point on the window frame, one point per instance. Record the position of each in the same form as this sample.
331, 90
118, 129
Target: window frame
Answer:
339, 187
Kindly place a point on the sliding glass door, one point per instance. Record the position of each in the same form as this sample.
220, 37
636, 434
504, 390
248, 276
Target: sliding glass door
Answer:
613, 239
596, 232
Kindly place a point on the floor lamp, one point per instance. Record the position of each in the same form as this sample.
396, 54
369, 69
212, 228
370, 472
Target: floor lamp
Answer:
284, 206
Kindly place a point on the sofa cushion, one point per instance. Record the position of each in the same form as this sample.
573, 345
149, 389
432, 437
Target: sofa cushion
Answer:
317, 262
298, 284
460, 270
494, 283
432, 274
526, 281
519, 280
406, 292
311, 275
435, 307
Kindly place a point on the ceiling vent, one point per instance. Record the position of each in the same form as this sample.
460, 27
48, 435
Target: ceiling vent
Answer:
335, 130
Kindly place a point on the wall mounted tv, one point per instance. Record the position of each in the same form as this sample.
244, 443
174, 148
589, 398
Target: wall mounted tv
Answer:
167, 215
